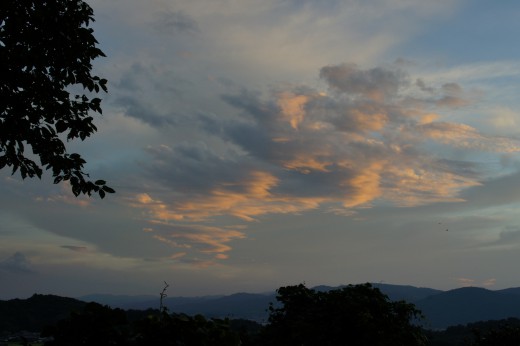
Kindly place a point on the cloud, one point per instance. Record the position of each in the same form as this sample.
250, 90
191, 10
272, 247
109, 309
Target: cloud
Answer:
465, 136
292, 107
75, 248
508, 239
244, 200
143, 111
489, 282
170, 22
453, 96
500, 190
372, 138
503, 118
17, 263
375, 84
475, 71
465, 282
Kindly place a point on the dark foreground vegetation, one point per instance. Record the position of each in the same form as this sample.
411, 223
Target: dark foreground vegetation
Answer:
352, 315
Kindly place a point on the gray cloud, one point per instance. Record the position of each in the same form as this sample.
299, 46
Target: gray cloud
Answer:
194, 167
169, 22
145, 112
509, 237
495, 192
506, 239
75, 248
453, 96
374, 83
422, 86
17, 263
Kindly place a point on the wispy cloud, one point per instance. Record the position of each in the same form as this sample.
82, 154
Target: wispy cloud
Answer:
175, 22
489, 283
18, 263
466, 282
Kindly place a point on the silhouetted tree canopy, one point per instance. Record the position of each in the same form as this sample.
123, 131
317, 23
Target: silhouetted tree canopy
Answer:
354, 315
492, 333
99, 325
46, 54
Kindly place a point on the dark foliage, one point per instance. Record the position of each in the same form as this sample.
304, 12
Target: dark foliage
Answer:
46, 54
95, 325
484, 333
181, 329
99, 325
353, 315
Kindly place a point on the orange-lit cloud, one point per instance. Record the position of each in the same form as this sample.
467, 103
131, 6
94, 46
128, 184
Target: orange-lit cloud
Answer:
489, 282
372, 121
292, 108
465, 282
416, 186
364, 187
465, 136
169, 241
245, 200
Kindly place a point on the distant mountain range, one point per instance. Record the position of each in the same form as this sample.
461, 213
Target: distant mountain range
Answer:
440, 308
469, 304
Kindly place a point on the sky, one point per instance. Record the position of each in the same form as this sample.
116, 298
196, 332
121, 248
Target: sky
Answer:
259, 144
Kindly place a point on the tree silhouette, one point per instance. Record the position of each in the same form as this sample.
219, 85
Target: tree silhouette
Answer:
354, 315
46, 89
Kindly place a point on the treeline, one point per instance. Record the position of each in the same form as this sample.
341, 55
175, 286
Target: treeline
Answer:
505, 332
352, 315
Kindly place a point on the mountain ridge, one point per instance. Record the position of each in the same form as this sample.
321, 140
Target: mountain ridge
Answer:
441, 309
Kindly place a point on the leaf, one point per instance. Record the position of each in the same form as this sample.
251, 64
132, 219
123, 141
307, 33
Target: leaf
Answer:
108, 189
100, 182
101, 194
61, 126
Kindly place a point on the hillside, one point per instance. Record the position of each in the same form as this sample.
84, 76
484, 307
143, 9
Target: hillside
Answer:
408, 293
35, 312
466, 305
239, 305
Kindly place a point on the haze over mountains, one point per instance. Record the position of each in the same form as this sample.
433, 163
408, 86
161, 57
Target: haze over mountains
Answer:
441, 308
